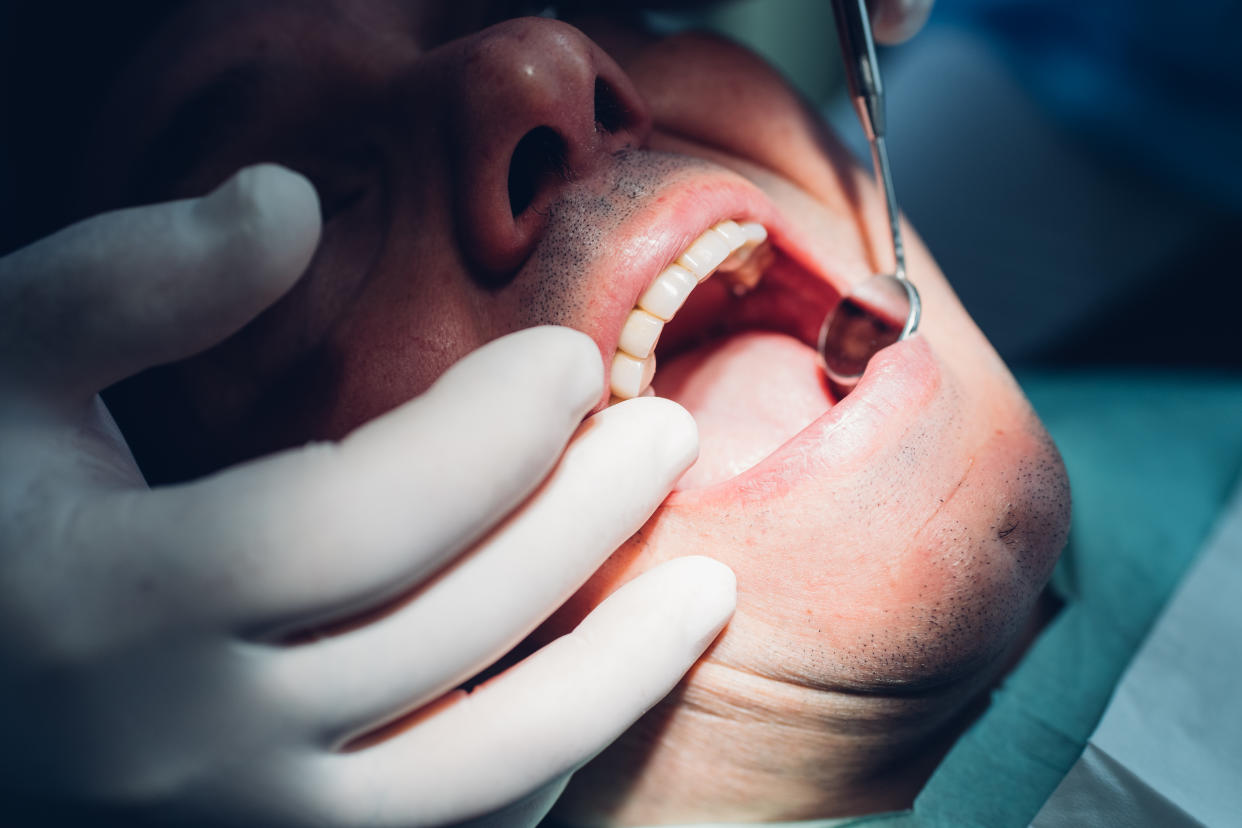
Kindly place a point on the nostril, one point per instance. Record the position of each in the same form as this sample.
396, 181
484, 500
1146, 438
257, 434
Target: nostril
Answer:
540, 154
610, 114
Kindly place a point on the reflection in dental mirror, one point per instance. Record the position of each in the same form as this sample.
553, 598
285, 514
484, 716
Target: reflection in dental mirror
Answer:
882, 310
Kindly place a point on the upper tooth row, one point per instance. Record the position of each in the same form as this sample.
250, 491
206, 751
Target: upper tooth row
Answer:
634, 364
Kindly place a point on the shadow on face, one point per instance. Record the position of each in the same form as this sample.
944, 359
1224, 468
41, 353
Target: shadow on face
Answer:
479, 175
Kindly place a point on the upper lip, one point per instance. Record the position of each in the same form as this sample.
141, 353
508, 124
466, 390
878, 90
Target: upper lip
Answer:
673, 218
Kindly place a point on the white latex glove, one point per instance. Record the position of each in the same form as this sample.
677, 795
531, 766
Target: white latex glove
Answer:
140, 667
894, 21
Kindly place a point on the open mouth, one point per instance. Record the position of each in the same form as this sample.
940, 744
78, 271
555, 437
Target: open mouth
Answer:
730, 325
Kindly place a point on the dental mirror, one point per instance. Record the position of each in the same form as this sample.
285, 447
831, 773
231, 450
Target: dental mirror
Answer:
884, 309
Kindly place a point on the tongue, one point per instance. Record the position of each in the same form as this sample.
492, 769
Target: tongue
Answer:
749, 394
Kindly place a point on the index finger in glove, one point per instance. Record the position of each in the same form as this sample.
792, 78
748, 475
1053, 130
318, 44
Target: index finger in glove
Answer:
614, 474
126, 290
331, 529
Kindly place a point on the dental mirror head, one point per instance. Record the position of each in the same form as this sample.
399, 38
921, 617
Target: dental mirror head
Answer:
882, 310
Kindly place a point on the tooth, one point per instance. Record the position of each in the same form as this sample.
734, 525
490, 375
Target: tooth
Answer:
668, 292
640, 333
744, 269
733, 233
631, 376
755, 231
738, 257
706, 254
744, 239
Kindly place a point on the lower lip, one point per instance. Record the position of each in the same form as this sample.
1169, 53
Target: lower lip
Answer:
896, 387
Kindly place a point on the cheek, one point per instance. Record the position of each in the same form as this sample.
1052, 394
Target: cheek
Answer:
413, 322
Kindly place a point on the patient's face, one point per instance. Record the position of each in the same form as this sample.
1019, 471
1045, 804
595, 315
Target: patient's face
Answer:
478, 178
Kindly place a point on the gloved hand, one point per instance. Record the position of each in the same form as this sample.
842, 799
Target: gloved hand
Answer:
150, 656
894, 21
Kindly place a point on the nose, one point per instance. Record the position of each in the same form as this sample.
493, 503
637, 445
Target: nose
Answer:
536, 105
